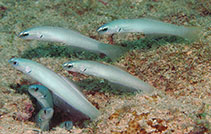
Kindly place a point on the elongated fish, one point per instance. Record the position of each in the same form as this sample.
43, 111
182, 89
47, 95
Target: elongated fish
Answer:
59, 85
108, 72
42, 94
43, 118
71, 38
48, 99
149, 26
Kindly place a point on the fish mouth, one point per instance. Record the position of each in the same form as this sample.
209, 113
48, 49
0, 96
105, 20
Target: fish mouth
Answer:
23, 34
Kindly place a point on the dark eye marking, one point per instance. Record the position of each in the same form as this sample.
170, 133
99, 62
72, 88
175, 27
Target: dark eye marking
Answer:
24, 34
84, 70
69, 65
45, 111
104, 29
41, 36
66, 124
36, 89
15, 63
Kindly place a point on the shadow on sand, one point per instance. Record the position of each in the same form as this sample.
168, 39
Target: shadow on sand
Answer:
52, 50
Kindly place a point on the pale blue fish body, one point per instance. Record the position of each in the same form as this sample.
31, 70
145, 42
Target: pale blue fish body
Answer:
43, 118
48, 99
149, 26
110, 73
68, 125
71, 38
59, 85
42, 94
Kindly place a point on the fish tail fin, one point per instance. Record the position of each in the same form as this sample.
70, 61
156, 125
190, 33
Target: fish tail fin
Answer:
192, 33
113, 52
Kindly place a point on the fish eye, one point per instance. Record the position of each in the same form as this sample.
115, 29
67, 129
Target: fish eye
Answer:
69, 65
24, 34
66, 124
15, 63
36, 89
45, 111
104, 29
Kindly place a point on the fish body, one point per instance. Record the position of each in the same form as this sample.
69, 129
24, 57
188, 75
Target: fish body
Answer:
71, 38
108, 72
59, 85
42, 94
43, 118
48, 99
148, 26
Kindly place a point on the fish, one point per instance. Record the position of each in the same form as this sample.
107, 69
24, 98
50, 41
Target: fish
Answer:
42, 94
43, 118
68, 125
71, 38
109, 72
149, 26
50, 99
57, 84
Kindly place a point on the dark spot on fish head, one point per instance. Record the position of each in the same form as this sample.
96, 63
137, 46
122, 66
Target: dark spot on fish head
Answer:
23, 34
45, 111
69, 66
15, 63
36, 89
66, 124
104, 29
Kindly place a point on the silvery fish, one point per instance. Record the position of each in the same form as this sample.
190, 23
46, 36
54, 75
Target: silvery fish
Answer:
59, 85
40, 91
149, 26
71, 38
110, 73
43, 118
42, 94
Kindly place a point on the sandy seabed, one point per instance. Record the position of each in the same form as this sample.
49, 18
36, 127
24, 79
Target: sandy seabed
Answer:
180, 70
